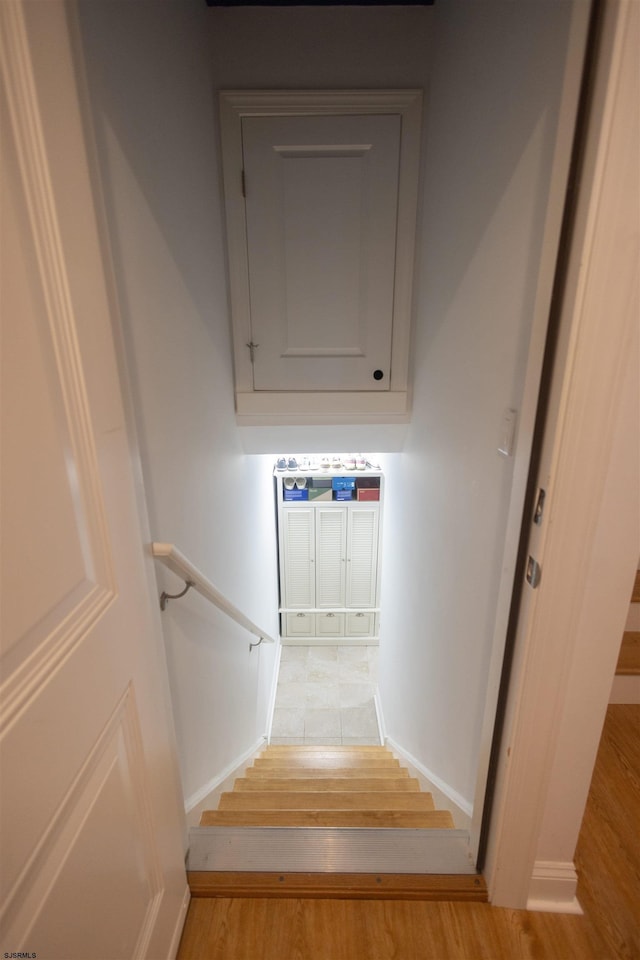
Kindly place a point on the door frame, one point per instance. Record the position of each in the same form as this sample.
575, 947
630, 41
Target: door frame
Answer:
569, 629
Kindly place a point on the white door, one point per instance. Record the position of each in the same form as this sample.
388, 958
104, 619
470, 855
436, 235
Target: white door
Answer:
362, 556
299, 557
92, 824
331, 545
321, 217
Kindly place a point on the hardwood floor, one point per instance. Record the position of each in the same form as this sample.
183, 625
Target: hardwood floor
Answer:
608, 860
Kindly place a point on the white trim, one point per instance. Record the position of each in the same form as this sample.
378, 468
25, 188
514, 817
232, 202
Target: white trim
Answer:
179, 926
625, 689
231, 770
444, 795
553, 887
380, 718
266, 407
274, 690
527, 415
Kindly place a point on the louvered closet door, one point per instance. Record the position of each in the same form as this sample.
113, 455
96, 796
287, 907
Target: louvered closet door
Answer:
362, 556
331, 536
299, 548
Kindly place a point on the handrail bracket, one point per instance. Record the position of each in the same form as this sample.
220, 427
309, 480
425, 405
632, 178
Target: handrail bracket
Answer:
165, 597
256, 644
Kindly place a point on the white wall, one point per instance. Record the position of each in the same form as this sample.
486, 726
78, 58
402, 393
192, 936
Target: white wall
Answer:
493, 105
149, 74
492, 73
328, 48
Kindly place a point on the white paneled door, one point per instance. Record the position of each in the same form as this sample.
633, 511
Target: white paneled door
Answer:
92, 826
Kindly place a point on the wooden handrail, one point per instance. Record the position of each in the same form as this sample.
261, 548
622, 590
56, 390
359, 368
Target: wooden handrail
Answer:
183, 568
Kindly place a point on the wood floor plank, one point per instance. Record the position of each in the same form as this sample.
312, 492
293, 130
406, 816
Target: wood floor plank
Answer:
263, 800
629, 658
329, 784
402, 819
349, 929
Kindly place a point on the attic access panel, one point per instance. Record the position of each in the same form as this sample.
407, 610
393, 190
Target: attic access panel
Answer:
320, 194
321, 208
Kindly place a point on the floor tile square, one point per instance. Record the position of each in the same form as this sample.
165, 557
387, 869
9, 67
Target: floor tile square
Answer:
326, 695
288, 722
293, 653
290, 694
355, 694
322, 723
359, 721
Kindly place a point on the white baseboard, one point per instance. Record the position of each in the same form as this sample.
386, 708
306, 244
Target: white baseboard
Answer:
201, 799
379, 718
553, 887
625, 690
444, 796
274, 690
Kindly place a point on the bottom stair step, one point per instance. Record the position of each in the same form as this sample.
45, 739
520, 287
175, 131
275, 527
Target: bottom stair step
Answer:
329, 850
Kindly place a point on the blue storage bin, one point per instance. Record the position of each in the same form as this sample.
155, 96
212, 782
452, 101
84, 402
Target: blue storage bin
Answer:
296, 494
343, 483
343, 494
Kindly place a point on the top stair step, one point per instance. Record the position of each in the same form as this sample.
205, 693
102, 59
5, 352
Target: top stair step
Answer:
337, 752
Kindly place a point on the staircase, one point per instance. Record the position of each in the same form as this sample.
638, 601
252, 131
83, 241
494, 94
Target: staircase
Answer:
327, 787
330, 821
629, 658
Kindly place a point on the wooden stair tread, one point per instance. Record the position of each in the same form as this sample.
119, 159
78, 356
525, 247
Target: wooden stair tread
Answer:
323, 773
318, 762
297, 800
329, 784
332, 748
328, 753
629, 658
404, 819
635, 594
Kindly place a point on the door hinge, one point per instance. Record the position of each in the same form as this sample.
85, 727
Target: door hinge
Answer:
252, 350
243, 180
534, 572
537, 516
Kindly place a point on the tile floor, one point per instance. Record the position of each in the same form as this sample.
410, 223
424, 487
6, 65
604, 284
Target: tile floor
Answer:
325, 696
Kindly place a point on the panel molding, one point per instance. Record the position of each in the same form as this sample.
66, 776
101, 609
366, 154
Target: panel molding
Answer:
51, 640
27, 897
